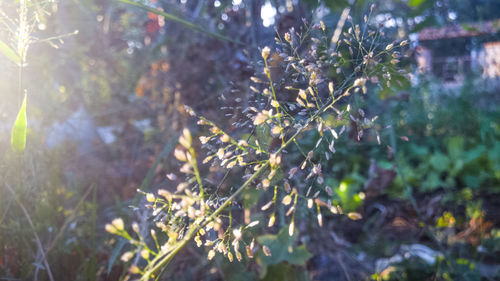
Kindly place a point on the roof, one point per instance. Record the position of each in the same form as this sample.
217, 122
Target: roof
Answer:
457, 31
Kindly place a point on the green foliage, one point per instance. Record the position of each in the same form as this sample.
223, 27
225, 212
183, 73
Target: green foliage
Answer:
283, 250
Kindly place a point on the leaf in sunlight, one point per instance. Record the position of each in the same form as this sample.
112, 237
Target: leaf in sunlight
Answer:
18, 136
9, 53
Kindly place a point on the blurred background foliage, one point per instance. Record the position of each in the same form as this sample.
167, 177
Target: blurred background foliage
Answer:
105, 106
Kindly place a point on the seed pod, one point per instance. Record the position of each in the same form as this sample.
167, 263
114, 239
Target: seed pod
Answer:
211, 255
287, 200
249, 251
291, 228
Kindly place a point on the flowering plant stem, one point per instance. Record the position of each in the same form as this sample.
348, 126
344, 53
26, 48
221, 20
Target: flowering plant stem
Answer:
161, 260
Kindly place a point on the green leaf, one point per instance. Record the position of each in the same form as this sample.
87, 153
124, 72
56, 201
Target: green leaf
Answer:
282, 250
285, 272
18, 136
177, 19
115, 253
9, 53
415, 3
439, 162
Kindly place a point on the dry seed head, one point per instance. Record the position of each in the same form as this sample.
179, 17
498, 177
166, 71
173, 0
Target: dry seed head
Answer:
302, 94
265, 52
232, 164
255, 80
265, 183
265, 207
310, 154
127, 256
299, 101
211, 255
354, 216
334, 134
134, 269
287, 200
287, 186
359, 82
224, 138
197, 239
171, 176
330, 87
145, 254
180, 155
238, 255
320, 220
276, 130
320, 180
291, 228
329, 190
259, 119
389, 47
271, 220
288, 37
252, 224
274, 159
135, 227
237, 233
185, 139
118, 224
150, 197
322, 24
220, 153
266, 251
110, 228
230, 257
249, 251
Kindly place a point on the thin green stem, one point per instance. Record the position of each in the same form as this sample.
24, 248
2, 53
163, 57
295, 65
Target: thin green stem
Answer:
194, 164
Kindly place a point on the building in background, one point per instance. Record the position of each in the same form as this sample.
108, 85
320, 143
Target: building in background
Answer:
452, 52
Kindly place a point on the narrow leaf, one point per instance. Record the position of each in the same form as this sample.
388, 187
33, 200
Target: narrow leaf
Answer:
18, 136
9, 53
